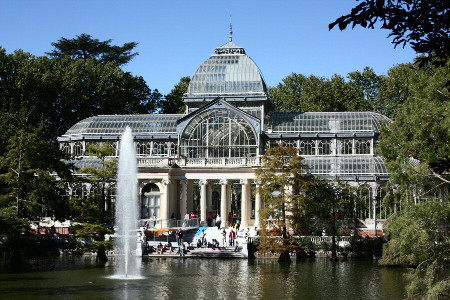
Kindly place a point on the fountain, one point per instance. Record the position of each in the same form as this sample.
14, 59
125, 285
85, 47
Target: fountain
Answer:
126, 266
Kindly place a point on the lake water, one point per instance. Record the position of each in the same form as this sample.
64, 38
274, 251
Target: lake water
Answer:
82, 278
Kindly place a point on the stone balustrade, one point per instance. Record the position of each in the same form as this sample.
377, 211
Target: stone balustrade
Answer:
219, 162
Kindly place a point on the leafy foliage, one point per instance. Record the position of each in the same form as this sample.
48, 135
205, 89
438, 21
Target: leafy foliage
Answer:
85, 47
172, 103
419, 238
415, 146
422, 24
29, 189
90, 212
324, 201
57, 93
283, 176
300, 93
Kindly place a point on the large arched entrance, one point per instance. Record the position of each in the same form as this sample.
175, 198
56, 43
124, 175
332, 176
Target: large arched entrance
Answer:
150, 201
218, 133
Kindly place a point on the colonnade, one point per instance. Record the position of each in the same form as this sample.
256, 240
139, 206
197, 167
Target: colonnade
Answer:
177, 195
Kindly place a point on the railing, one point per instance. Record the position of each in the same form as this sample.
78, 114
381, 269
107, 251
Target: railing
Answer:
199, 162
168, 223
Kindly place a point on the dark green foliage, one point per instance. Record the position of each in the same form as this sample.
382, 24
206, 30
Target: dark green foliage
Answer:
361, 91
423, 24
300, 93
57, 93
419, 237
172, 103
90, 212
84, 47
28, 188
415, 146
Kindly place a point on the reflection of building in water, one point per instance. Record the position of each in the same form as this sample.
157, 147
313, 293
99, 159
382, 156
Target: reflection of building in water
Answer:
205, 160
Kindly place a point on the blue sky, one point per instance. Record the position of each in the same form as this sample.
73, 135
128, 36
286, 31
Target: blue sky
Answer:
175, 37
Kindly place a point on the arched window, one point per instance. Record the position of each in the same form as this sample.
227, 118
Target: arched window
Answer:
362, 146
307, 147
159, 149
218, 133
347, 146
150, 201
65, 148
78, 149
143, 148
324, 147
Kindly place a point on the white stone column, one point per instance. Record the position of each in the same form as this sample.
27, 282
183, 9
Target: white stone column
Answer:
165, 201
190, 196
203, 184
244, 203
223, 202
183, 198
209, 197
257, 205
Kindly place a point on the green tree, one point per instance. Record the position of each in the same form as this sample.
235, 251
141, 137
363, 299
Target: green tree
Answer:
29, 188
91, 212
415, 146
394, 89
418, 238
83, 46
325, 201
58, 93
283, 175
297, 92
172, 103
420, 23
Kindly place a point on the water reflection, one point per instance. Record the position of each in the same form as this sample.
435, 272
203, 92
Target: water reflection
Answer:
209, 279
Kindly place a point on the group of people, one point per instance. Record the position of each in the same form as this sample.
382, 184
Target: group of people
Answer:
182, 248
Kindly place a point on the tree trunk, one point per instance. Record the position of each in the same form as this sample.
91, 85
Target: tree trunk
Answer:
284, 257
101, 251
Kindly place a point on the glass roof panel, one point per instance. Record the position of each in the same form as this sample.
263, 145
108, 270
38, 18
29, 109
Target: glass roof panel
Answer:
293, 122
115, 124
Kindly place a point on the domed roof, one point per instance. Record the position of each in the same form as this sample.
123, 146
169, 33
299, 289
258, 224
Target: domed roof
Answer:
228, 72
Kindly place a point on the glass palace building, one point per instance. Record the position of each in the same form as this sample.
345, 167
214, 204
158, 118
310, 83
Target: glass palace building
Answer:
205, 160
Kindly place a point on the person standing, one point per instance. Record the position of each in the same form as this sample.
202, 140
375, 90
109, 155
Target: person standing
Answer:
210, 217
218, 221
154, 220
186, 220
224, 238
230, 219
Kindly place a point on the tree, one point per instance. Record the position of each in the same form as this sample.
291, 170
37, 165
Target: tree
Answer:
58, 93
84, 47
91, 211
324, 201
418, 238
283, 175
415, 146
29, 188
300, 93
172, 103
422, 24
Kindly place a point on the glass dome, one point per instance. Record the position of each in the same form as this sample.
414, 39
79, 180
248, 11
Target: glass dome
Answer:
227, 72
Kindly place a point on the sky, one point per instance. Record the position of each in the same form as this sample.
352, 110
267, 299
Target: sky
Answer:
175, 37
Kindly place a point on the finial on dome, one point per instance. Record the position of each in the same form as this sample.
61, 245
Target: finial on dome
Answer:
231, 30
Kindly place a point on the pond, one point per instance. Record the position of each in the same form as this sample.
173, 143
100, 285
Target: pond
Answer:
82, 278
